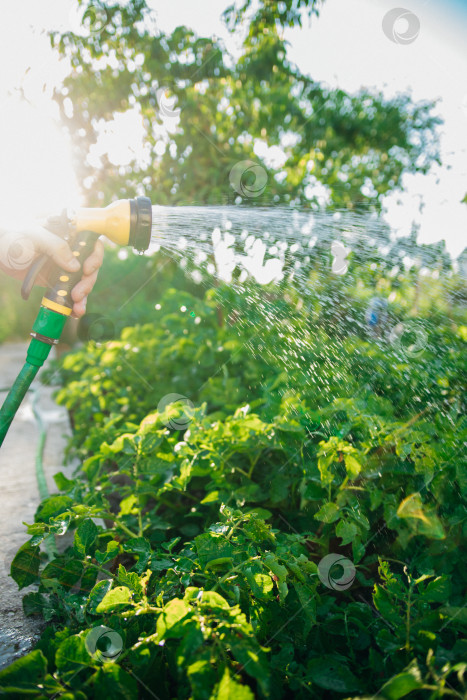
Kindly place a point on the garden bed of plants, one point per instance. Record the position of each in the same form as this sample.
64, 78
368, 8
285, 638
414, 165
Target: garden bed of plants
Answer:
197, 533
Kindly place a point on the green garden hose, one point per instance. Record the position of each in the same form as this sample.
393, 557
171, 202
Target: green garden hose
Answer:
15, 396
49, 542
46, 331
126, 222
40, 475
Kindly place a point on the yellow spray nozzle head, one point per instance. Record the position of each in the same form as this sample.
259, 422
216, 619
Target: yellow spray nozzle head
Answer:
125, 222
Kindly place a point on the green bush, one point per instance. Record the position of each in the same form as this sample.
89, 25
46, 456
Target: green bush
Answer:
199, 529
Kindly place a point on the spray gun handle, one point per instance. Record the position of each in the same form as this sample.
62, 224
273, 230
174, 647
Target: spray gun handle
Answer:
58, 295
60, 226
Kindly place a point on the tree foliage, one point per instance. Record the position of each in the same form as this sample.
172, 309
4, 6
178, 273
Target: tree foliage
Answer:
356, 146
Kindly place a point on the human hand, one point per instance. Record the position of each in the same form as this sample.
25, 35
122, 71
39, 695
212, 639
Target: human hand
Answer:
18, 250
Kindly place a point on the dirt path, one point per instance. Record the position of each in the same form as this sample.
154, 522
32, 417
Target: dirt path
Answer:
20, 495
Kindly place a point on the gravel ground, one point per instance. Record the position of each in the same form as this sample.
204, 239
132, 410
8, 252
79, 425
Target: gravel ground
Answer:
20, 495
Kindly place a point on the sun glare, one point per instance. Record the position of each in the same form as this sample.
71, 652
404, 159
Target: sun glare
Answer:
36, 175
36, 172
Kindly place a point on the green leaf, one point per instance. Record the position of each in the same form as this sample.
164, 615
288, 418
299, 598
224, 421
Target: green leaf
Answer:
129, 505
141, 547
280, 572
72, 652
401, 685
111, 681
347, 530
212, 599
25, 565
130, 579
331, 674
85, 537
438, 591
110, 553
248, 653
66, 571
158, 565
33, 604
97, 594
328, 513
171, 614
260, 584
192, 640
23, 675
201, 675
51, 507
212, 546
212, 497
63, 484
324, 462
115, 599
223, 561
457, 615
384, 603
258, 531
353, 467
428, 523
229, 689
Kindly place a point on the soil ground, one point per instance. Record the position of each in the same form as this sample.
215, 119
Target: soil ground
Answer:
20, 495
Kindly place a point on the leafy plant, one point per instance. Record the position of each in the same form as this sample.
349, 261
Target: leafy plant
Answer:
197, 551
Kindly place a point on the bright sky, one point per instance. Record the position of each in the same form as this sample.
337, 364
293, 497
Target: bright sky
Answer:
345, 47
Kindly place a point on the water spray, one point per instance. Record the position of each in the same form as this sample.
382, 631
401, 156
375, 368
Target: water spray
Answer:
125, 222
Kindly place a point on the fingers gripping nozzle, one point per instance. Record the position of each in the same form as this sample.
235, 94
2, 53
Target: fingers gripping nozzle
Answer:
125, 222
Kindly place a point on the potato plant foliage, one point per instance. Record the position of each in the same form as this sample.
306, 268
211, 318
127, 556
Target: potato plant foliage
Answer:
195, 551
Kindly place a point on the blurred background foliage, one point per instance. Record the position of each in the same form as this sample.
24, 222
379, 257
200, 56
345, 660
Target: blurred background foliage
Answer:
346, 151
356, 146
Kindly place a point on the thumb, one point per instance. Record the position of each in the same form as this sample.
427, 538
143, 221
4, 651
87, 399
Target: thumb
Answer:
58, 250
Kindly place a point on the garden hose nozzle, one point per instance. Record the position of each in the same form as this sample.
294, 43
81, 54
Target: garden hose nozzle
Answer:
125, 222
